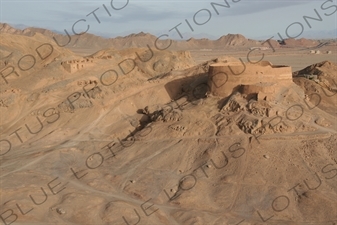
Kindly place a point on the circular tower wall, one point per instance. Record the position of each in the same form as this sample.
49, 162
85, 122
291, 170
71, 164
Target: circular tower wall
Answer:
224, 78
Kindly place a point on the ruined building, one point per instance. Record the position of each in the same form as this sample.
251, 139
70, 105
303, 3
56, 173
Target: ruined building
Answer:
261, 80
73, 66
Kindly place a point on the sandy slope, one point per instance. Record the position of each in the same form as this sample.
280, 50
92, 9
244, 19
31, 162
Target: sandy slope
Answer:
107, 153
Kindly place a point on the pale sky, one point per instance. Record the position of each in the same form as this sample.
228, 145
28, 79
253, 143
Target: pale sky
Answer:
258, 19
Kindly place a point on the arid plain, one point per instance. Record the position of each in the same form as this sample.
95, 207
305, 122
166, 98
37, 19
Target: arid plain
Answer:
117, 133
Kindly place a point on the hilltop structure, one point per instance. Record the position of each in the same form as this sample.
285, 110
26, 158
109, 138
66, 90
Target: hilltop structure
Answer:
261, 80
73, 66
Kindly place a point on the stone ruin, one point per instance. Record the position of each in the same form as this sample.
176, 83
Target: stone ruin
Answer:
260, 80
107, 57
259, 48
164, 113
250, 95
73, 66
317, 52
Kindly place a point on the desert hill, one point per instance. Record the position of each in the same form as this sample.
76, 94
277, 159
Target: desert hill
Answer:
223, 41
235, 40
133, 136
29, 55
143, 39
319, 82
6, 28
324, 69
302, 42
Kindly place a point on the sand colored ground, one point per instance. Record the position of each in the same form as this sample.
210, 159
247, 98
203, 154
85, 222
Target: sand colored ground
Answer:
138, 139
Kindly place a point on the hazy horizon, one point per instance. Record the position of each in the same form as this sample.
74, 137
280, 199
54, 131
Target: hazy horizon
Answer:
259, 19
195, 36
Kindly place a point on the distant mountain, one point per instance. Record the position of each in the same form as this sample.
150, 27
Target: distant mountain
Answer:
188, 35
291, 42
19, 26
321, 34
6, 28
142, 39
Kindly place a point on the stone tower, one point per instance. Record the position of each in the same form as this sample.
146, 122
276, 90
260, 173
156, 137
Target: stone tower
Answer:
260, 78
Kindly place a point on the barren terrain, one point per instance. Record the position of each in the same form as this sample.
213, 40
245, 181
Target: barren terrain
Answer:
123, 134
